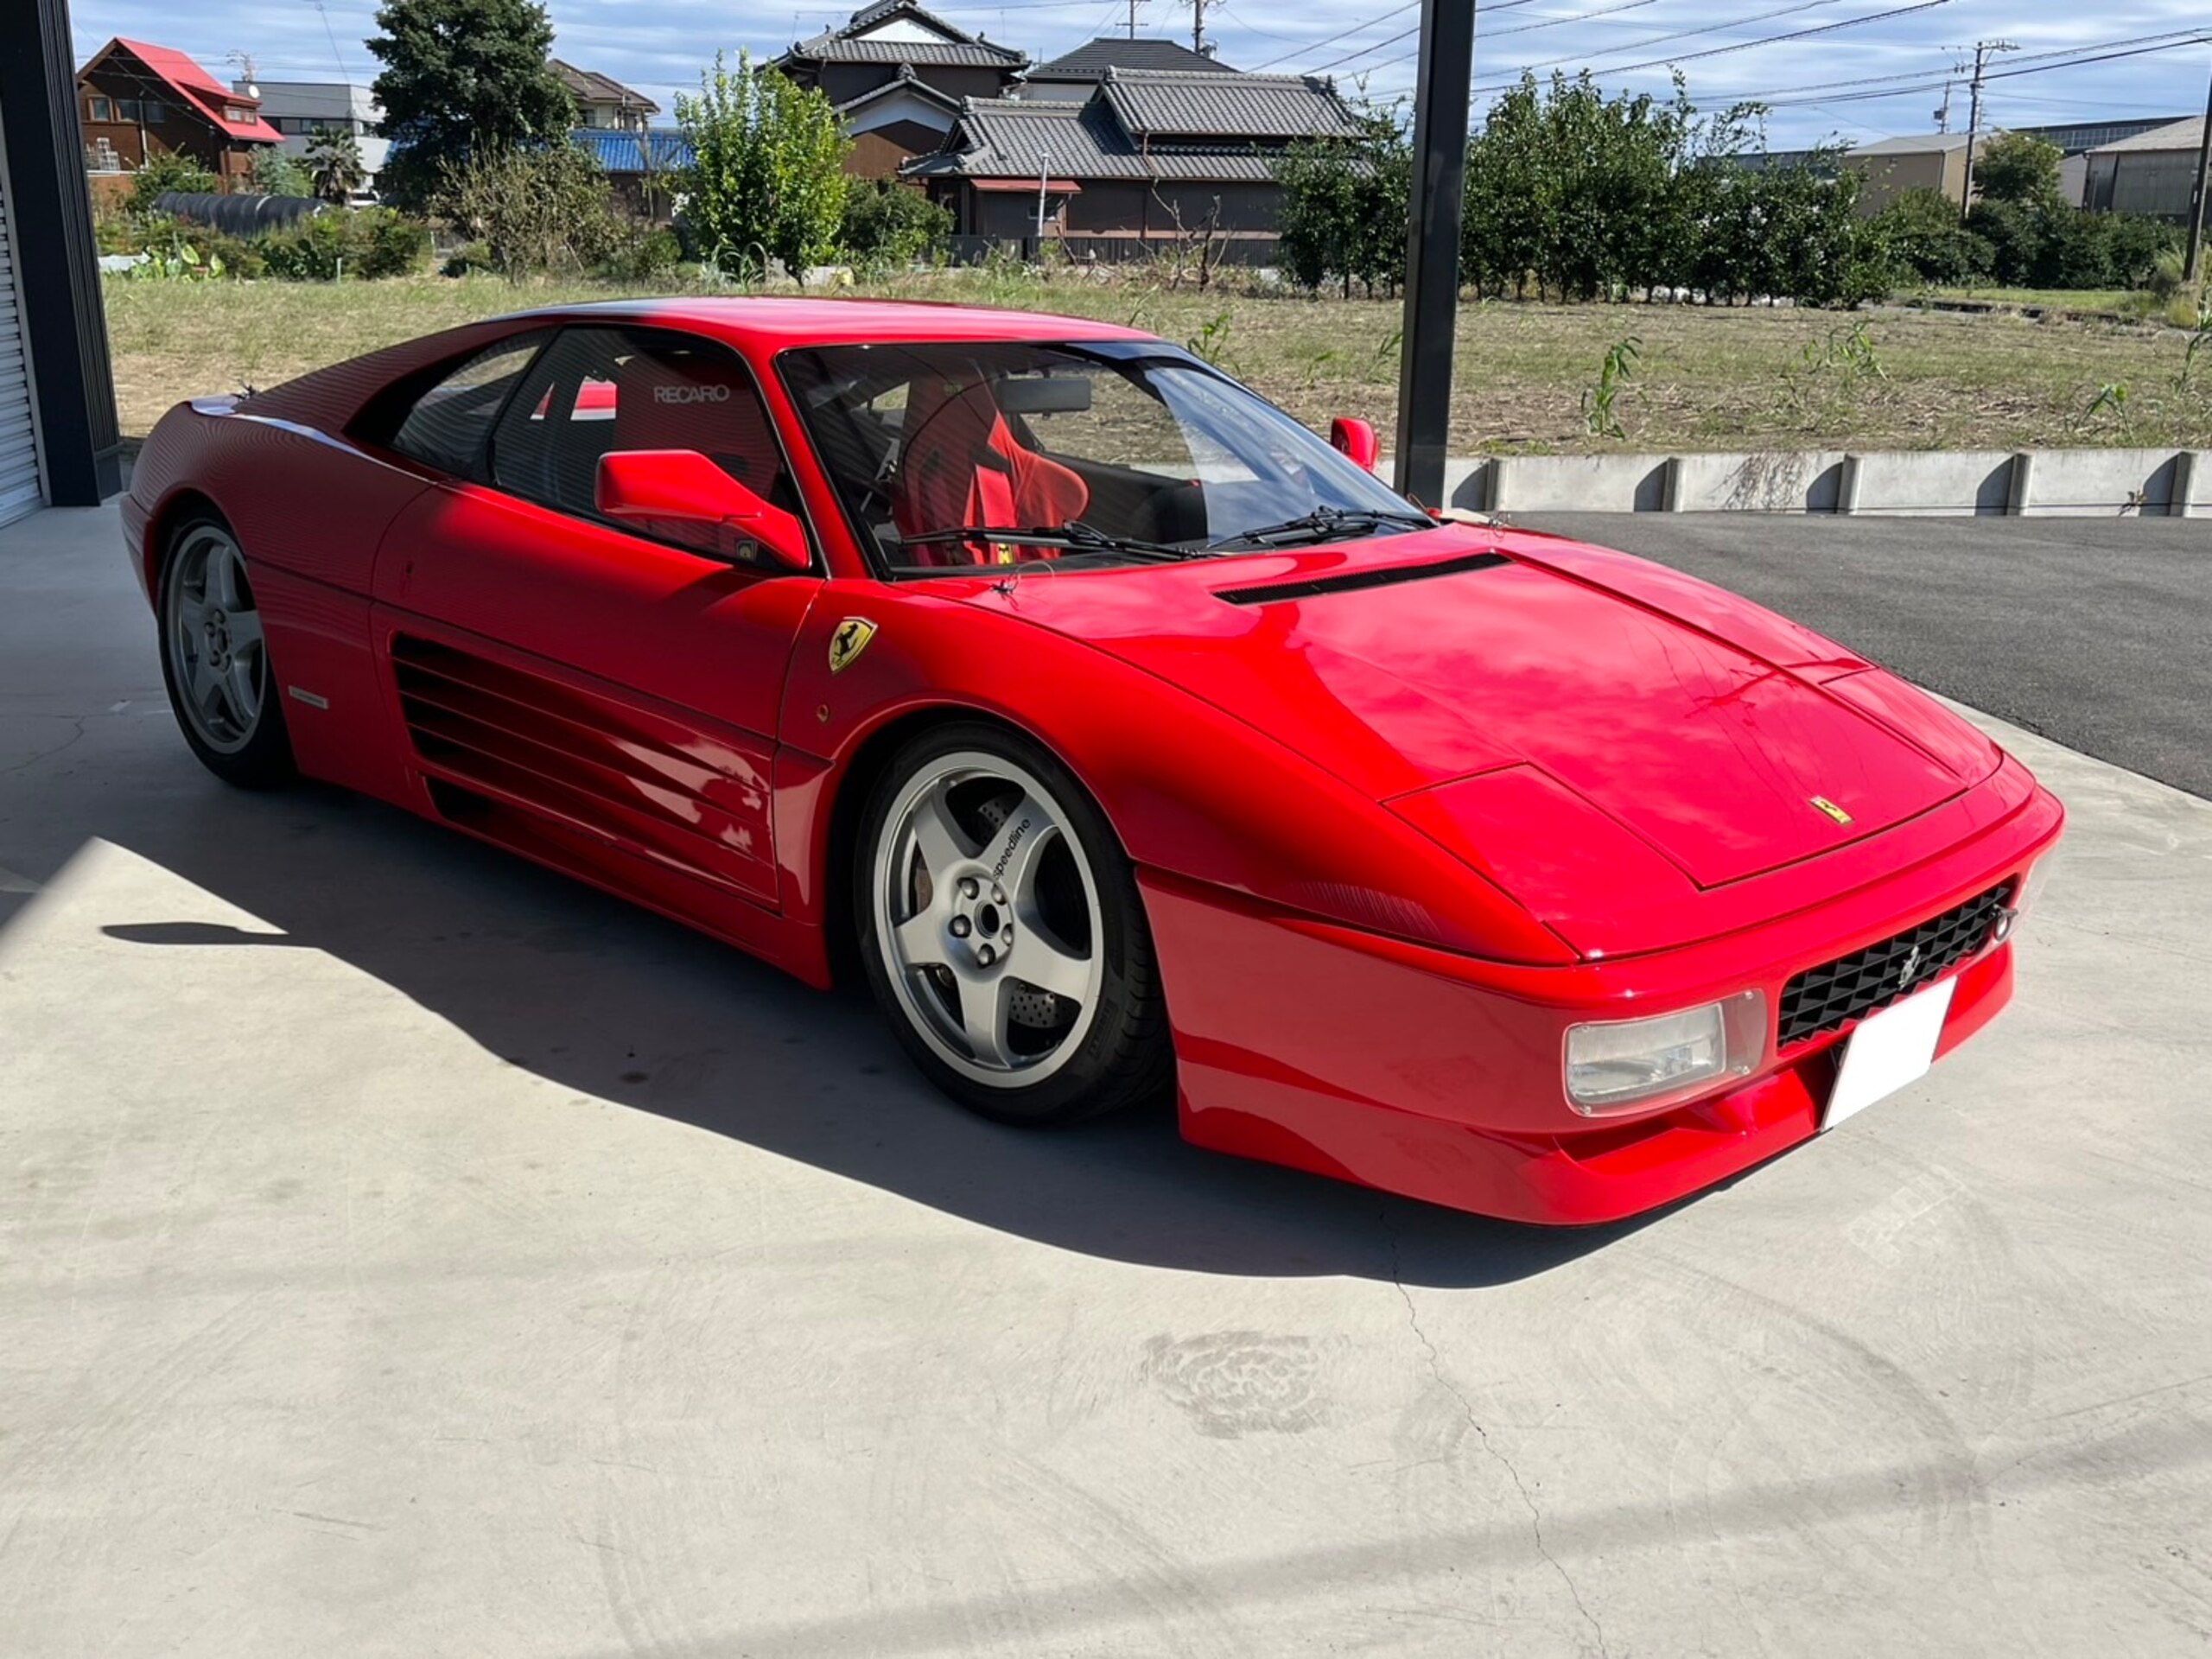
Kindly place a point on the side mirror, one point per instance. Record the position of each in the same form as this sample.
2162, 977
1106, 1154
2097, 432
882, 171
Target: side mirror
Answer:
682, 486
1355, 441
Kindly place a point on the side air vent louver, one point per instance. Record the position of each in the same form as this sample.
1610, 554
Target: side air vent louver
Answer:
616, 772
1270, 593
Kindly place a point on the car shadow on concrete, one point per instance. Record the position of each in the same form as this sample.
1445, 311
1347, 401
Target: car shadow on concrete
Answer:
612, 1002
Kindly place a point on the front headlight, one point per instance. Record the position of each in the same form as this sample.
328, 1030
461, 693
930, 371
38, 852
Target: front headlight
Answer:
1623, 1065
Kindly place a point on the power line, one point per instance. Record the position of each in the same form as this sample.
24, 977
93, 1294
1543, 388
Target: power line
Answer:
1345, 34
1342, 34
1686, 33
1994, 74
1748, 45
1585, 16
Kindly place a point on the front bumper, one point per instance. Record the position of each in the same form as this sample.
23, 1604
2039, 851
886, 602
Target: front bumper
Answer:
1421, 1072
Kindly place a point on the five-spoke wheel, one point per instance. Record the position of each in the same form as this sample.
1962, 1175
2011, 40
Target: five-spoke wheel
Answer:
216, 658
1002, 931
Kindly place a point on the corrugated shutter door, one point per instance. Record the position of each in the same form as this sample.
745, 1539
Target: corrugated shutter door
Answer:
19, 491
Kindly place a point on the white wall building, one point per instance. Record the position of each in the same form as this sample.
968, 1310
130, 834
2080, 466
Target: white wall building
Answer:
296, 108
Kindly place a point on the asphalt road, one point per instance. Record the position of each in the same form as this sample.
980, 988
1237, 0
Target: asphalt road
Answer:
2096, 632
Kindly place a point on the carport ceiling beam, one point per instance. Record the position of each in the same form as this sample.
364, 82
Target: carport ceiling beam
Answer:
1441, 94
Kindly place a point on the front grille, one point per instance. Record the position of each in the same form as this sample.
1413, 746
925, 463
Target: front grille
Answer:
1829, 998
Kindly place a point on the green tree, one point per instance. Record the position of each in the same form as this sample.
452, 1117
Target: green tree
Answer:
766, 180
2018, 166
334, 165
1344, 202
275, 174
166, 173
463, 78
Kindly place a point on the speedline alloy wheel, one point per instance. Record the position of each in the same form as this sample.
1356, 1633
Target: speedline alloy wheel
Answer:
1003, 934
215, 658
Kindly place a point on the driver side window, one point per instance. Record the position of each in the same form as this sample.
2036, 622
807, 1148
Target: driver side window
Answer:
599, 390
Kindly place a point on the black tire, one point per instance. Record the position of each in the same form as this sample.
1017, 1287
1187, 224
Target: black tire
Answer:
1123, 1056
248, 755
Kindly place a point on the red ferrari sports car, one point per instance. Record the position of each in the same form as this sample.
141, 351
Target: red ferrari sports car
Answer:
1129, 738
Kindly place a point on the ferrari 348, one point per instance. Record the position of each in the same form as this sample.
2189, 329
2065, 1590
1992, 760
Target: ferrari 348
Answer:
1133, 742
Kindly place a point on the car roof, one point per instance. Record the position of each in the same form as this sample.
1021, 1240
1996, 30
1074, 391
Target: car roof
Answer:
782, 321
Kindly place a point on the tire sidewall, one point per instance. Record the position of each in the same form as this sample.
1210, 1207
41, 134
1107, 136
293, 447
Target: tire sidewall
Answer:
1124, 942
264, 761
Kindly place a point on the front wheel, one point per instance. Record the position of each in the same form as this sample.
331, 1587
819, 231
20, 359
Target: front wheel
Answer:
215, 659
1003, 934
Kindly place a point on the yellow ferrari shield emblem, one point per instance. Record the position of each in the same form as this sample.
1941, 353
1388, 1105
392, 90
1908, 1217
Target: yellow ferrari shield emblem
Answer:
1821, 803
847, 644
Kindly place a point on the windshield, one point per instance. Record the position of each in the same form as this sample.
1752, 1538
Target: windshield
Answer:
969, 452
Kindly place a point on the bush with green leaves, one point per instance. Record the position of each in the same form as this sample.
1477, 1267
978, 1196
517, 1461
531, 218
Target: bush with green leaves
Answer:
887, 226
644, 254
766, 183
275, 174
1921, 230
543, 208
162, 174
2048, 245
374, 243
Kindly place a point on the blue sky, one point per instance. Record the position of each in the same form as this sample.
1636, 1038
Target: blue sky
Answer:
658, 47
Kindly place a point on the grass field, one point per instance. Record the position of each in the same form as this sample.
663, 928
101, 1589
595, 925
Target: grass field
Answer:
1703, 378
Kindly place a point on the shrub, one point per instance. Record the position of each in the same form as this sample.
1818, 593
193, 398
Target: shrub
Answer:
468, 260
164, 174
888, 226
367, 245
1925, 240
275, 174
542, 209
644, 254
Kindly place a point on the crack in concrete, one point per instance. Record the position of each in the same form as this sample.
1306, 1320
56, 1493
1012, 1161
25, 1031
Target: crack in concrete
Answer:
1535, 1516
76, 731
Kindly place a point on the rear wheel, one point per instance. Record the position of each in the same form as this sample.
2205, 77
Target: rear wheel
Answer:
1003, 934
215, 658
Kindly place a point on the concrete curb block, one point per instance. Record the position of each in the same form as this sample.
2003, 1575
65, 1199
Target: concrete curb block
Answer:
2037, 483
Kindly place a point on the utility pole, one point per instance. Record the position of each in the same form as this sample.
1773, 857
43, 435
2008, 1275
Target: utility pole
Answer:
1943, 115
1133, 18
1198, 25
1982, 51
2201, 198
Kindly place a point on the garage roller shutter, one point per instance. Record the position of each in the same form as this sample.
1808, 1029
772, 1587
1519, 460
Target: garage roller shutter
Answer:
19, 489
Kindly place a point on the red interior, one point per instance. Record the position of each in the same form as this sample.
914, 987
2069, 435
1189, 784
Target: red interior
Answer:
962, 465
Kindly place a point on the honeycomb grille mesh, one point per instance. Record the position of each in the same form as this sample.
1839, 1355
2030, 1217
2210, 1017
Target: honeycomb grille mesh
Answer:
1827, 998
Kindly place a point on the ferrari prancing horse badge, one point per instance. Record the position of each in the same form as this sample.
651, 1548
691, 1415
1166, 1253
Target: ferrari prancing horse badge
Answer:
847, 644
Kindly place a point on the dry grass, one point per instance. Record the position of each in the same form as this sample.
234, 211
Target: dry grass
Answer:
1706, 379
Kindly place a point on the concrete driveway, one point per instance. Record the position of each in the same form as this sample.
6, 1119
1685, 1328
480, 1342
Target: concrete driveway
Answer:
402, 1251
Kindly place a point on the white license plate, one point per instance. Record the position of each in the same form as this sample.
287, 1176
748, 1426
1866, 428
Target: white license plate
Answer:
1889, 1050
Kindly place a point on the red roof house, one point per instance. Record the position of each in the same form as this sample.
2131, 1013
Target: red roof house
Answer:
137, 101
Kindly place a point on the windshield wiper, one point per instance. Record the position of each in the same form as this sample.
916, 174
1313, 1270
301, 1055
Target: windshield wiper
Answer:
1076, 536
1322, 523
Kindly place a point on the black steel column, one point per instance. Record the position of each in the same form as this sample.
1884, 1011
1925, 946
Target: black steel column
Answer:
57, 265
1447, 64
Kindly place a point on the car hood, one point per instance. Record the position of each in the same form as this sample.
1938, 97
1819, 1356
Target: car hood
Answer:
1720, 738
